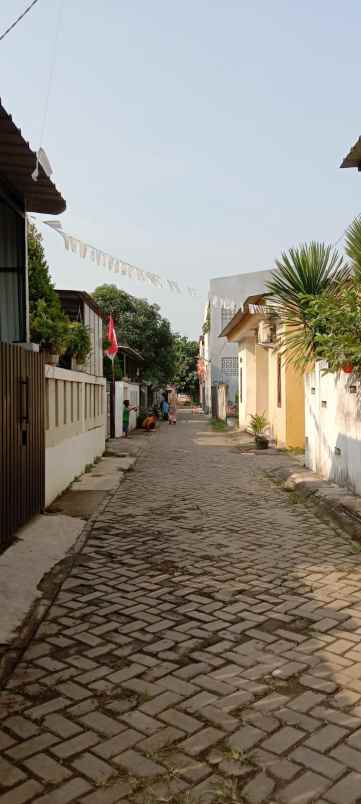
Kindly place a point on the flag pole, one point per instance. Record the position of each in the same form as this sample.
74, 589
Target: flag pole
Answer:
112, 414
112, 351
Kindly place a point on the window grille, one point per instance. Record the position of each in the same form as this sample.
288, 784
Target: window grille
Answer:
229, 366
226, 316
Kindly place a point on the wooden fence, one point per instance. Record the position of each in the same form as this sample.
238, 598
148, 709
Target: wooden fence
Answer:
22, 434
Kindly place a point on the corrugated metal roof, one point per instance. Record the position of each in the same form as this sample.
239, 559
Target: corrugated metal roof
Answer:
74, 296
353, 158
17, 163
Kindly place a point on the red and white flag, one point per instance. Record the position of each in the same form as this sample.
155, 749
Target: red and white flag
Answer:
112, 338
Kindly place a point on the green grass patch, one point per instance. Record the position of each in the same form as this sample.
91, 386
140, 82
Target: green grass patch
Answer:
218, 425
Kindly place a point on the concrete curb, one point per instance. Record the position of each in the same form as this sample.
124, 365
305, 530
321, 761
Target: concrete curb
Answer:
332, 500
51, 585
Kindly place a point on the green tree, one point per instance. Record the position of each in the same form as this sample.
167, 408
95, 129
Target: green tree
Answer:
49, 326
185, 377
336, 318
336, 325
301, 275
48, 322
139, 324
41, 286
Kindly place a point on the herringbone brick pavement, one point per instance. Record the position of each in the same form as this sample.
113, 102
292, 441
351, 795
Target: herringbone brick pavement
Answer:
205, 647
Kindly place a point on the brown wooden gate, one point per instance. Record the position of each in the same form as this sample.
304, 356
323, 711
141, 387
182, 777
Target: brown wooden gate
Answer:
22, 438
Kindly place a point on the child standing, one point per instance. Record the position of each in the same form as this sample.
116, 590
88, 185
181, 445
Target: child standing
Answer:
126, 411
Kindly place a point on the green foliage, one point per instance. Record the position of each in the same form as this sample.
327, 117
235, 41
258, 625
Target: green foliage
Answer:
206, 328
79, 341
305, 272
185, 377
48, 323
353, 246
48, 331
140, 325
40, 283
336, 325
258, 423
219, 425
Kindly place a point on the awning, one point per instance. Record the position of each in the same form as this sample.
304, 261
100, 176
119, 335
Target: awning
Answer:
250, 307
128, 350
17, 163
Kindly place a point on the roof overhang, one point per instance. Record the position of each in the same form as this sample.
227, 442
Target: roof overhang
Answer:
17, 163
128, 350
353, 158
81, 295
253, 306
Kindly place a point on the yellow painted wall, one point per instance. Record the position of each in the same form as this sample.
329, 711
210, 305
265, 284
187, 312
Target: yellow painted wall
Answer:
262, 403
248, 402
259, 394
295, 408
276, 416
288, 421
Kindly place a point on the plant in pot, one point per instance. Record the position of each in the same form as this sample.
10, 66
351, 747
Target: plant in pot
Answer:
79, 342
50, 330
258, 426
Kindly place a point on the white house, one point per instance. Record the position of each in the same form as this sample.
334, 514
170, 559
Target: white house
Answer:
226, 295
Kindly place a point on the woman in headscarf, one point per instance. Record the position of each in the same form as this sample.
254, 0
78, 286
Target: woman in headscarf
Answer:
172, 400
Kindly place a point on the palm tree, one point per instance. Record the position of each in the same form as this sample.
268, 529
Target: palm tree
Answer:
302, 274
353, 246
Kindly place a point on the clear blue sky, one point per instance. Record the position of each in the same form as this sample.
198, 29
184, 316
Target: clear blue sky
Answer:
194, 139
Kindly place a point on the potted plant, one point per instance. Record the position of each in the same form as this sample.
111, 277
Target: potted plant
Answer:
50, 331
347, 368
258, 426
79, 342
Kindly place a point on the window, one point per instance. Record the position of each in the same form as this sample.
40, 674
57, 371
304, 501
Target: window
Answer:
279, 381
229, 366
226, 316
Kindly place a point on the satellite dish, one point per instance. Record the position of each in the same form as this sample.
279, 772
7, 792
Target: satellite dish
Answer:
42, 159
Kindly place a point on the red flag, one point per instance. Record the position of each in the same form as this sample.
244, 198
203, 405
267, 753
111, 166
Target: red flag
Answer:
112, 338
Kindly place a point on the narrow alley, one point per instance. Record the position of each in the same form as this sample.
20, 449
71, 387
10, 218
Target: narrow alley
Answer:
205, 648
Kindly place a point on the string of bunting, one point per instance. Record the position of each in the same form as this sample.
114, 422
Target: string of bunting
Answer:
118, 266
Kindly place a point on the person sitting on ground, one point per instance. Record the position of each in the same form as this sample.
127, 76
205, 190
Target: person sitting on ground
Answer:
150, 422
126, 411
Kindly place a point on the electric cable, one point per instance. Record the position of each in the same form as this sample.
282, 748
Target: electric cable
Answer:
13, 25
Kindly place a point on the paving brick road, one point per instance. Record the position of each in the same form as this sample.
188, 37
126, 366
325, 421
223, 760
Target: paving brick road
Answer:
205, 648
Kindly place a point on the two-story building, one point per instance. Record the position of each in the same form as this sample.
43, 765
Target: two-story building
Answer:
226, 295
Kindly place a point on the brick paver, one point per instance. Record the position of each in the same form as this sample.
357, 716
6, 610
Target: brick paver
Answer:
207, 643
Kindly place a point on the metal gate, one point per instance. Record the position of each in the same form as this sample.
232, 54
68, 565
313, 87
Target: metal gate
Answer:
219, 401
22, 438
214, 400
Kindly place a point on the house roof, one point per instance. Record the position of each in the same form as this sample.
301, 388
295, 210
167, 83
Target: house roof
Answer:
353, 158
242, 313
71, 298
17, 163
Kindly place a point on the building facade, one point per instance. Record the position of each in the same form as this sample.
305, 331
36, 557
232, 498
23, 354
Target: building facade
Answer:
22, 381
79, 306
267, 384
226, 295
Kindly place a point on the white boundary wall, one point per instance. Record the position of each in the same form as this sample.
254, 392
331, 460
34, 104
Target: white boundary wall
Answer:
125, 390
75, 414
333, 427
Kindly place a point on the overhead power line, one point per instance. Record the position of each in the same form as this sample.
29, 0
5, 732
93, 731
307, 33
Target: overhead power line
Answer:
18, 19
